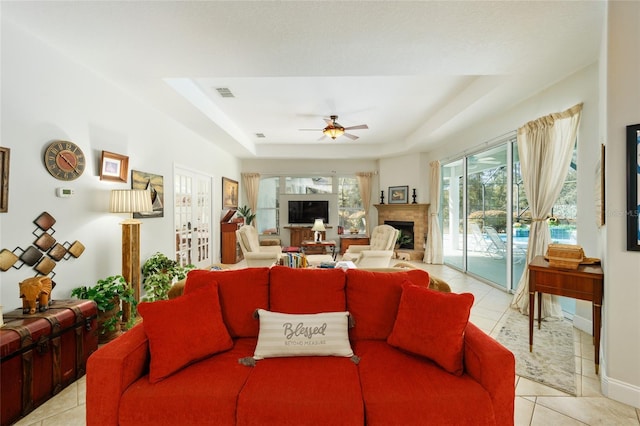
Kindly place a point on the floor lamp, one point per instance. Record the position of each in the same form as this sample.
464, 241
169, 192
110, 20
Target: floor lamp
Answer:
130, 201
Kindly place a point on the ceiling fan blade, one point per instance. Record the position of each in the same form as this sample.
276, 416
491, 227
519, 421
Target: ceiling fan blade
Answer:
328, 120
321, 138
350, 136
361, 126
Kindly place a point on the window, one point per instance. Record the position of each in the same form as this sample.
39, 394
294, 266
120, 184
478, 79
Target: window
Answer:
308, 185
350, 210
268, 214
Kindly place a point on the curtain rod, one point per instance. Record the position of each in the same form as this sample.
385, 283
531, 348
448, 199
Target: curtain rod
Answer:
305, 174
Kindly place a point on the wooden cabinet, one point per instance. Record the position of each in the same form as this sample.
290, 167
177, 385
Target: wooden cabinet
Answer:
352, 240
298, 234
229, 248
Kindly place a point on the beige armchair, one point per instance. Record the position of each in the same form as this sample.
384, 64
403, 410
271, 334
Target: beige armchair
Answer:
379, 251
255, 254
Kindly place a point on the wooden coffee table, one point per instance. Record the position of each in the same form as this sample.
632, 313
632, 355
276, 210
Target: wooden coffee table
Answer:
312, 247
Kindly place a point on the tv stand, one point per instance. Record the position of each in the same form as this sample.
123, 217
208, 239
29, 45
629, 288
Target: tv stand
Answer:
298, 234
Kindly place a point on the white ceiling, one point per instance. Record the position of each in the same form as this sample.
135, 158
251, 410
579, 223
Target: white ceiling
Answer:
414, 72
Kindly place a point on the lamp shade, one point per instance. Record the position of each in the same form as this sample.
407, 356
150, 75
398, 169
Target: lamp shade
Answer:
130, 201
318, 225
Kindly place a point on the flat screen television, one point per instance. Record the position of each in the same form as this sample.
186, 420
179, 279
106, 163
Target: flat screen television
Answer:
308, 211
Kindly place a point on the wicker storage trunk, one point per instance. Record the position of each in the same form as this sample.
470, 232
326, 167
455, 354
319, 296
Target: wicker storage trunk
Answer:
564, 256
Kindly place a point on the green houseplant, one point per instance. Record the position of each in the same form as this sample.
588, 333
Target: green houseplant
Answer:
245, 212
108, 293
403, 239
159, 273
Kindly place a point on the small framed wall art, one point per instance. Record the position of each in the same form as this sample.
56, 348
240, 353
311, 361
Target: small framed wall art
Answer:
633, 187
398, 194
4, 179
114, 167
229, 193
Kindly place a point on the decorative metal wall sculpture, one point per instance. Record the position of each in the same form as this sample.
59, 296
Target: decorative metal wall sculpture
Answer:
45, 251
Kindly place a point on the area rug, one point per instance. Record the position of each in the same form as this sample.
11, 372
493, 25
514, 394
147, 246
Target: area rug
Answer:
552, 361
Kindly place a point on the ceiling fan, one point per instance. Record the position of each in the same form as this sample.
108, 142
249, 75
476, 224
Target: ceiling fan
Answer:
335, 129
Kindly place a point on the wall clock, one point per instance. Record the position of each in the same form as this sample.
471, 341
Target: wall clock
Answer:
64, 160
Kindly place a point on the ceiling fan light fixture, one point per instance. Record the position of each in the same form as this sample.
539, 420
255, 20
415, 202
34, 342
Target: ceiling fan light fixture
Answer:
333, 132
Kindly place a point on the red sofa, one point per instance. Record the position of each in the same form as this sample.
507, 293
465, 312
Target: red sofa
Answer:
388, 386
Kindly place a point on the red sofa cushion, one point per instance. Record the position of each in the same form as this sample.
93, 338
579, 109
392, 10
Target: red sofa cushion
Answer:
204, 393
306, 291
431, 323
399, 388
373, 298
241, 291
183, 330
302, 391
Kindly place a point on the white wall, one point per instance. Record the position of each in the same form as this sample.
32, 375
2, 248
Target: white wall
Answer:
621, 330
46, 96
407, 170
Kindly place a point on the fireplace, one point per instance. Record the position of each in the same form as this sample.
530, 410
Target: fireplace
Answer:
416, 215
406, 232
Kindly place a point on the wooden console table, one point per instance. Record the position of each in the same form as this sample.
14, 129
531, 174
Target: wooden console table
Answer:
352, 240
584, 283
298, 234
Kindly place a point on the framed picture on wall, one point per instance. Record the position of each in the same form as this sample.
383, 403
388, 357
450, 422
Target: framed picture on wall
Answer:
398, 194
633, 187
114, 167
4, 179
229, 193
155, 185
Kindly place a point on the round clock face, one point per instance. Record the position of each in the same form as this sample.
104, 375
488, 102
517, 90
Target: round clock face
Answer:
64, 160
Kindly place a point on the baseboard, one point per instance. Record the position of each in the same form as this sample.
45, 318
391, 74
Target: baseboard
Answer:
584, 324
618, 390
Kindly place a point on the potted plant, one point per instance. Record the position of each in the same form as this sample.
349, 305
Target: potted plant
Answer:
403, 239
159, 273
108, 293
245, 212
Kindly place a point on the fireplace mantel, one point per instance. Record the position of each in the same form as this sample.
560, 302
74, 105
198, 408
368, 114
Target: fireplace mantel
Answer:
416, 213
399, 207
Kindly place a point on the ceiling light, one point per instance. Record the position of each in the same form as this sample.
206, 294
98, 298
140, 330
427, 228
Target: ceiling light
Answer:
333, 131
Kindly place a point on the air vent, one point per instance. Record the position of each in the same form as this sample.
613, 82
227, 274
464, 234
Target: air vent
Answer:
225, 92
260, 135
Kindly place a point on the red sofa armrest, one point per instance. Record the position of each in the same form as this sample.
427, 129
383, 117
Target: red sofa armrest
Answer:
110, 371
494, 367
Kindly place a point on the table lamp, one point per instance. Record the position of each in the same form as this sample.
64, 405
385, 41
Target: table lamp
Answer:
130, 201
318, 228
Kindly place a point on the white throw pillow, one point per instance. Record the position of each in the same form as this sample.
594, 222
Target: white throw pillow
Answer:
284, 335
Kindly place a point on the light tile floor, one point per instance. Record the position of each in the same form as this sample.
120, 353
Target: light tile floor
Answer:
535, 404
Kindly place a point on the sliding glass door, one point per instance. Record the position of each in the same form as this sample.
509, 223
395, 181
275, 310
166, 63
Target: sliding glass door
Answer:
477, 195
486, 216
453, 242
488, 241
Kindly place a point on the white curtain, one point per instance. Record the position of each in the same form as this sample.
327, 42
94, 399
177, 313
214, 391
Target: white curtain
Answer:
545, 147
364, 186
251, 184
433, 252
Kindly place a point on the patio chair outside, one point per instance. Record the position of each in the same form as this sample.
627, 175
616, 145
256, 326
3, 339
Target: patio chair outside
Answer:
498, 248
